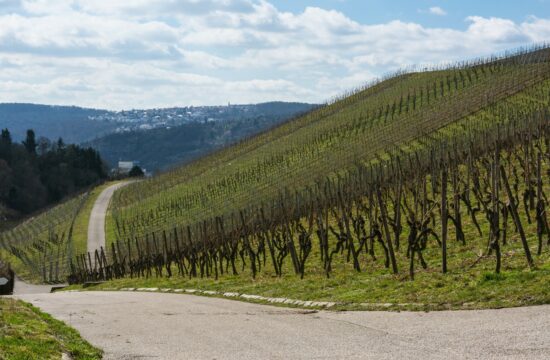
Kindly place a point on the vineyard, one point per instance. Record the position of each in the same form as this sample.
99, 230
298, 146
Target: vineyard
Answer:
438, 171
395, 114
390, 174
40, 248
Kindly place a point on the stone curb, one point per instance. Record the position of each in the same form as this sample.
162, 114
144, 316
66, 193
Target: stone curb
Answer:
316, 304
273, 300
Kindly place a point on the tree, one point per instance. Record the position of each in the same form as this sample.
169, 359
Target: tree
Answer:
36, 172
60, 144
5, 145
30, 142
6, 137
6, 179
136, 171
43, 145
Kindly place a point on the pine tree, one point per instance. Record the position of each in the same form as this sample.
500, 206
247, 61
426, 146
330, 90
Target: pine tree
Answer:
5, 137
30, 142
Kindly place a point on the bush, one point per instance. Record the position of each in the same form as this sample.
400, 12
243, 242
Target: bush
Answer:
136, 171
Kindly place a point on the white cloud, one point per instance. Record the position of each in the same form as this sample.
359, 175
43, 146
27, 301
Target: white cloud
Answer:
497, 30
151, 53
436, 10
537, 29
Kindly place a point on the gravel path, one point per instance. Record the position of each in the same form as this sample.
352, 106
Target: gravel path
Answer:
131, 325
96, 226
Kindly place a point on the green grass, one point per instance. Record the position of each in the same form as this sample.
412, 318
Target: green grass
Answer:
432, 290
28, 333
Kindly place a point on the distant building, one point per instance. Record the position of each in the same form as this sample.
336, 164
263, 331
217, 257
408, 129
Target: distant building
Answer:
126, 166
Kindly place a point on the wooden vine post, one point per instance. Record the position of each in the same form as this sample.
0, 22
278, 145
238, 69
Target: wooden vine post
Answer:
444, 219
515, 216
384, 216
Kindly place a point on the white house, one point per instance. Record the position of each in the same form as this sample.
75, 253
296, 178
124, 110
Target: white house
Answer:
124, 167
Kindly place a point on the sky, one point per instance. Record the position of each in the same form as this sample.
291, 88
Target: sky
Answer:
126, 54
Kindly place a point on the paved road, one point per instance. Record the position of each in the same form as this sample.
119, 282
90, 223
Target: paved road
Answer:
96, 226
131, 325
21, 288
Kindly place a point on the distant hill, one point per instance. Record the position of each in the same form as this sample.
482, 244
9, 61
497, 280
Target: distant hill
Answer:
79, 125
165, 147
73, 124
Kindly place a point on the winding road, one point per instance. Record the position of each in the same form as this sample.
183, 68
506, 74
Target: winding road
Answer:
137, 325
96, 226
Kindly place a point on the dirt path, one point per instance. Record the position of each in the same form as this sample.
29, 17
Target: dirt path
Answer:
129, 325
96, 225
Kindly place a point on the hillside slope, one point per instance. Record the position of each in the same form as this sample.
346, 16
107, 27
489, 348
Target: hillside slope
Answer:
437, 172
425, 191
68, 122
398, 114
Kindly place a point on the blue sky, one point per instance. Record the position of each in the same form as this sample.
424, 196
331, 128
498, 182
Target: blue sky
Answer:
158, 53
380, 11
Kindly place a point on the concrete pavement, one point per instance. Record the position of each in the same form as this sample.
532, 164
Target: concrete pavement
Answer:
131, 325
96, 225
21, 288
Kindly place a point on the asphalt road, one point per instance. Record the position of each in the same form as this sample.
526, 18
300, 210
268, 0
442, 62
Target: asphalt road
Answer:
96, 225
21, 288
133, 325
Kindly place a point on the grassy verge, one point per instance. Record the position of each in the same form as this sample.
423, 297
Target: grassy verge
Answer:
466, 287
28, 333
